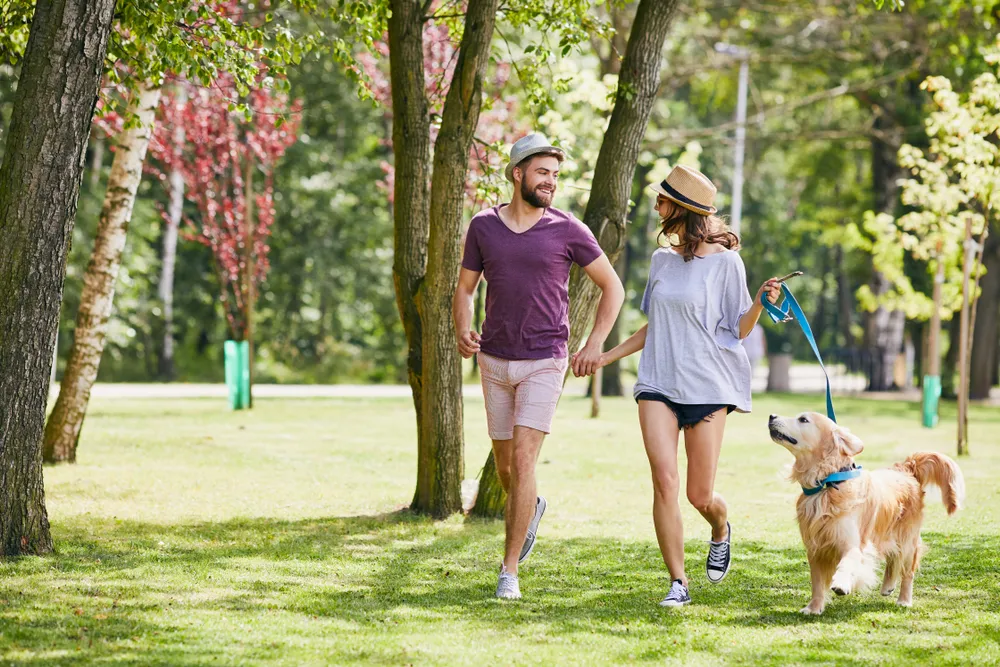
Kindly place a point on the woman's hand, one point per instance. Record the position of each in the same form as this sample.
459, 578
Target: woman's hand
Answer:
772, 287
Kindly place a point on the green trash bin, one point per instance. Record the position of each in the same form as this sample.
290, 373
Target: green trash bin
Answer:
932, 394
237, 356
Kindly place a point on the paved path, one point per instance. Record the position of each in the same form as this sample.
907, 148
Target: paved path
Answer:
804, 379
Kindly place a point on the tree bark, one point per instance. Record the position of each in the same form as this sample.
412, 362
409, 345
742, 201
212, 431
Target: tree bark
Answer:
611, 378
615, 169
845, 301
490, 498
439, 485
884, 328
984, 335
175, 211
39, 188
62, 432
411, 197
950, 364
96, 159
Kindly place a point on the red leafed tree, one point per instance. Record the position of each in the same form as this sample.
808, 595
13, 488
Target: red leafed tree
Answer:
227, 163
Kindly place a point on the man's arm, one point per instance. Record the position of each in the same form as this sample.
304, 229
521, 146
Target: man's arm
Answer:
586, 361
461, 311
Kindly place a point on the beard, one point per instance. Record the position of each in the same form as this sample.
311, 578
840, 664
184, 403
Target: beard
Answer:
535, 197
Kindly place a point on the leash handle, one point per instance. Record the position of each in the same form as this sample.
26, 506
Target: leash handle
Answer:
790, 310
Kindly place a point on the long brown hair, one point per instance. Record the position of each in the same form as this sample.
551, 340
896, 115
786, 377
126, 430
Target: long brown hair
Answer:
696, 228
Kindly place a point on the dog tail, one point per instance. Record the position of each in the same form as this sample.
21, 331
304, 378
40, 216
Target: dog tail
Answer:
933, 469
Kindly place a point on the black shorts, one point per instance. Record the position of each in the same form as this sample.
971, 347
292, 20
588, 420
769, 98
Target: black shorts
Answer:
688, 415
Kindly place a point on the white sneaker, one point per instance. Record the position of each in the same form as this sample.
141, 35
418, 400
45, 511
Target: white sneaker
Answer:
529, 539
507, 586
678, 595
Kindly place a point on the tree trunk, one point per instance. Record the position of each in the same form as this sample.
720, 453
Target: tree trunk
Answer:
62, 432
611, 378
39, 187
884, 328
845, 301
779, 372
96, 159
491, 499
439, 485
615, 168
984, 335
950, 364
175, 211
411, 197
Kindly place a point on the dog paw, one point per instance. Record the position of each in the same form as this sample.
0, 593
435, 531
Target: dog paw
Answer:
840, 590
810, 610
888, 591
905, 603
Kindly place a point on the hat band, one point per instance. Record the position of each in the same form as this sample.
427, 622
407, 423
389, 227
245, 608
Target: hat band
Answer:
677, 195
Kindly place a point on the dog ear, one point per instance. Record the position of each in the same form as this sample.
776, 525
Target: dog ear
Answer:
848, 443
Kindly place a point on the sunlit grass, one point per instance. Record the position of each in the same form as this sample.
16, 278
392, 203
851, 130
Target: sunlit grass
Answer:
187, 534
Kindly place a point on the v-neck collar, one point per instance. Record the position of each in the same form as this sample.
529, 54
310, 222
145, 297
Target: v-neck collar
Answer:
500, 218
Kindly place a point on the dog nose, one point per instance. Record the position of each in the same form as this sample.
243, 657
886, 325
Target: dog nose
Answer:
772, 418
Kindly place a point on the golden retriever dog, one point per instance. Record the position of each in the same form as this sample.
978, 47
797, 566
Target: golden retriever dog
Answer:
848, 524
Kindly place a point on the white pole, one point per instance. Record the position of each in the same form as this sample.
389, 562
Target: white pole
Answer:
741, 133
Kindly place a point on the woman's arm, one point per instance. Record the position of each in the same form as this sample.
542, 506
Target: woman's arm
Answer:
749, 319
630, 345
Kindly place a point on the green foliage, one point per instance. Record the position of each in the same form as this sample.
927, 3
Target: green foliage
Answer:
328, 311
535, 37
954, 184
198, 41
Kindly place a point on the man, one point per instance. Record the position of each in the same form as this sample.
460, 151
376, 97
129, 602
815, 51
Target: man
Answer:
525, 249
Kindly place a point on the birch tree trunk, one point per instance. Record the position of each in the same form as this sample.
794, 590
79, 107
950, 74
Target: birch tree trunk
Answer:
62, 432
39, 187
175, 210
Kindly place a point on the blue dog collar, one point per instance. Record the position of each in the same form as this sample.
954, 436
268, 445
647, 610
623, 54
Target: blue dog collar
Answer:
833, 479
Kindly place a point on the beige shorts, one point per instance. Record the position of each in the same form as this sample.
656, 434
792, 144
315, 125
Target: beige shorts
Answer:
520, 393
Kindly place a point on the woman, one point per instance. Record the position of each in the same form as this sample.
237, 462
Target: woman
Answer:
693, 370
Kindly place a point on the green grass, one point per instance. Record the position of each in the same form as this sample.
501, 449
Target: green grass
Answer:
190, 535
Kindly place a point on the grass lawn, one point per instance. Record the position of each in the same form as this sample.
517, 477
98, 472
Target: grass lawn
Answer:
187, 534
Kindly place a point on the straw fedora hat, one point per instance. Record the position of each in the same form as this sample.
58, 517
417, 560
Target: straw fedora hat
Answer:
525, 147
689, 188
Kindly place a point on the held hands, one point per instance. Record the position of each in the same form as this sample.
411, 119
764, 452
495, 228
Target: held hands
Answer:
587, 361
468, 343
772, 288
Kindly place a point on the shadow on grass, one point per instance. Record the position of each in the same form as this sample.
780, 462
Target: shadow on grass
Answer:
120, 584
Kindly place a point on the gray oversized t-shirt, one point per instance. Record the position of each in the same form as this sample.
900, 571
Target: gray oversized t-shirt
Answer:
693, 353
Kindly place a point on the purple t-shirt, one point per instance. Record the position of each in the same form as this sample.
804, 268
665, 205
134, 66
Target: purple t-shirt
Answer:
527, 275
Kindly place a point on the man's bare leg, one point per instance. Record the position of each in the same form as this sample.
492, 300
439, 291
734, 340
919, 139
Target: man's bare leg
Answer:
521, 492
503, 454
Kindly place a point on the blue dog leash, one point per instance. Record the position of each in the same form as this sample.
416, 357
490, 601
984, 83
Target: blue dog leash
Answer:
790, 310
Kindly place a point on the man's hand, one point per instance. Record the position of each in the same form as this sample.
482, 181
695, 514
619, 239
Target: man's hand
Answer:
587, 361
468, 343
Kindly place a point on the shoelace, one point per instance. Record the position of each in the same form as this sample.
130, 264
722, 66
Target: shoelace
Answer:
676, 591
717, 554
